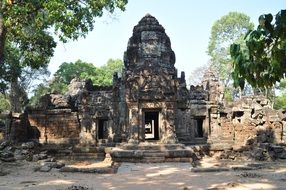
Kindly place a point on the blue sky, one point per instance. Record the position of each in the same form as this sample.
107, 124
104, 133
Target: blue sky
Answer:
187, 22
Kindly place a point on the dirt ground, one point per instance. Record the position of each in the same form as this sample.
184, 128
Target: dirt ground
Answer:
155, 176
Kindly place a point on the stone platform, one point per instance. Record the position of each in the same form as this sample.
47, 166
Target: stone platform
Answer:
76, 153
154, 153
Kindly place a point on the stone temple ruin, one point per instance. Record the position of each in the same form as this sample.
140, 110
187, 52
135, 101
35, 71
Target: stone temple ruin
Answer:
148, 104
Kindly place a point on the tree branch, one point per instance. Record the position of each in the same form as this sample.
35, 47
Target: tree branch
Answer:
2, 38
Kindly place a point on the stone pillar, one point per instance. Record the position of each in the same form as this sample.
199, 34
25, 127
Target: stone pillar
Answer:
18, 127
168, 134
134, 125
87, 136
141, 128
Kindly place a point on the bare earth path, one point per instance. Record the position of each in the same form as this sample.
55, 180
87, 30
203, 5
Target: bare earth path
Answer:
161, 176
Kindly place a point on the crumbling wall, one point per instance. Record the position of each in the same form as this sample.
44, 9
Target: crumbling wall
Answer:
17, 125
73, 117
282, 115
254, 119
248, 121
183, 125
58, 126
95, 105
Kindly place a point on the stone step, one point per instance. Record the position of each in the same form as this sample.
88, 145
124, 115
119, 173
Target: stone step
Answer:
179, 159
179, 153
151, 146
153, 154
81, 157
87, 156
88, 149
157, 153
148, 159
76, 152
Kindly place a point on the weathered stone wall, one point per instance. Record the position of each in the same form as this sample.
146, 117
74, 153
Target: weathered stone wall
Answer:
149, 84
188, 120
184, 125
258, 121
17, 125
70, 118
59, 126
249, 121
95, 105
282, 115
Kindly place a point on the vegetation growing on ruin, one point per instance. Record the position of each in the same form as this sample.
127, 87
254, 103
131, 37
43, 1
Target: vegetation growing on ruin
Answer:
28, 30
100, 76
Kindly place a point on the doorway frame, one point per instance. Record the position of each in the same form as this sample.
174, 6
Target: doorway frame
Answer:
99, 120
157, 132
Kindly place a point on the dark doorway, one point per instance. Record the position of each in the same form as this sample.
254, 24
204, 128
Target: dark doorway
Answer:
152, 125
102, 129
199, 131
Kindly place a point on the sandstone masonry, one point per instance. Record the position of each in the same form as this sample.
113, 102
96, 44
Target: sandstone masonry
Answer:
148, 102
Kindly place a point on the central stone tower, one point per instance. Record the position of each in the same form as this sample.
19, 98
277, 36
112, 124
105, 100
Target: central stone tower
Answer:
151, 83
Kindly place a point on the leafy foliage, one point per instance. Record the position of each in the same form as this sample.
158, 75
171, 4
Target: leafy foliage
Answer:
27, 22
104, 74
280, 101
228, 29
282, 85
17, 77
262, 61
41, 90
27, 28
100, 76
68, 71
4, 103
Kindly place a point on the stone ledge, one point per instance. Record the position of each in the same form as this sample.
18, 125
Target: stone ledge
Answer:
103, 170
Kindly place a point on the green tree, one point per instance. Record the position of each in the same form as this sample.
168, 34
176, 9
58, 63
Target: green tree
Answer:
262, 60
104, 74
100, 76
26, 35
78, 69
280, 99
41, 90
16, 77
29, 22
229, 29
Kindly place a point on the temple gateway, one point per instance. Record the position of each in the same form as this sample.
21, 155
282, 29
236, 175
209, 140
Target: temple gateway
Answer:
149, 102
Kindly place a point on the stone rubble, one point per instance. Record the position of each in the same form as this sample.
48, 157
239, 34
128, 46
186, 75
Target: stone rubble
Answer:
29, 151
